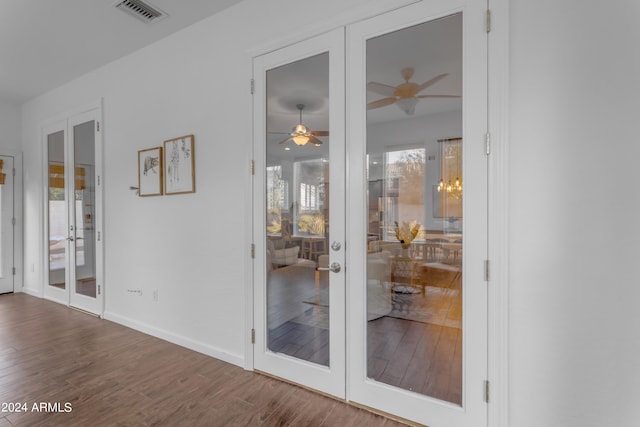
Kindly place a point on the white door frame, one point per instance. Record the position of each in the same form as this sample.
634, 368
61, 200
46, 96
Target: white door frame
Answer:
498, 218
498, 94
65, 123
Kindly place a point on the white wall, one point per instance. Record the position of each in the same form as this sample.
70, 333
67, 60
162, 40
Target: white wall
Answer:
574, 336
574, 285
9, 125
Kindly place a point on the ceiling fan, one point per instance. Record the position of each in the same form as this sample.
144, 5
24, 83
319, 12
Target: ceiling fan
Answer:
404, 95
301, 134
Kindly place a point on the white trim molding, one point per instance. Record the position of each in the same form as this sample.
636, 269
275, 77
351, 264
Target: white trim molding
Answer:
498, 322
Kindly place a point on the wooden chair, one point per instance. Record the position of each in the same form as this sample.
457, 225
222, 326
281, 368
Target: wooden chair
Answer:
317, 247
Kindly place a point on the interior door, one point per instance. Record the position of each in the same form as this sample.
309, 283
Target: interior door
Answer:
73, 212
299, 197
83, 237
6, 225
417, 224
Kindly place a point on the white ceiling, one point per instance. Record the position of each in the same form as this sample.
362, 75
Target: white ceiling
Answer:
46, 43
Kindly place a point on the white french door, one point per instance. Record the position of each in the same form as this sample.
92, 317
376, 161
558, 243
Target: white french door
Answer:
7, 273
73, 206
402, 326
299, 216
416, 289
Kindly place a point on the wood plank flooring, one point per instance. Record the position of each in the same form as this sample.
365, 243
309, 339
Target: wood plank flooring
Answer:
416, 356
114, 376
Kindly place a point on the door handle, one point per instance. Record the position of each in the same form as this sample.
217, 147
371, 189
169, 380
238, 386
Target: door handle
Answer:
335, 267
70, 238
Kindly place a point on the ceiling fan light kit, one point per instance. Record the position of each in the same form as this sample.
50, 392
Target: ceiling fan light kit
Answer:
300, 139
408, 105
301, 135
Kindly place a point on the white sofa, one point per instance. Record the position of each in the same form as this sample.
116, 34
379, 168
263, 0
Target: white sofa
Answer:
378, 287
278, 255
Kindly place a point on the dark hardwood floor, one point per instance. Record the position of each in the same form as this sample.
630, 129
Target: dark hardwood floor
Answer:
110, 375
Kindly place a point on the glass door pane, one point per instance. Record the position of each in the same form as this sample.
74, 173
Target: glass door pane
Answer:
84, 208
297, 202
414, 172
57, 218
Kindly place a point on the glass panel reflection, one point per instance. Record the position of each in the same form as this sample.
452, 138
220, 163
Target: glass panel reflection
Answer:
84, 194
297, 195
414, 173
57, 215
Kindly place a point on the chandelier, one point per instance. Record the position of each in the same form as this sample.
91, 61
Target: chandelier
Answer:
451, 165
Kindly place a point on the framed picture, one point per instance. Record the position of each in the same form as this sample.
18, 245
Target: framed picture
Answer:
179, 165
150, 172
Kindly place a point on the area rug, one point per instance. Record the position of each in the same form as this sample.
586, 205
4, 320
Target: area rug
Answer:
438, 306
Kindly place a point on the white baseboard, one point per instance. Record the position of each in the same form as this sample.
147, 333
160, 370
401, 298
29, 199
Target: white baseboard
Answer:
180, 340
32, 292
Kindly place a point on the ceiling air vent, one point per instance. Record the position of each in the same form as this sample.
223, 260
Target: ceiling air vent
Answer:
141, 10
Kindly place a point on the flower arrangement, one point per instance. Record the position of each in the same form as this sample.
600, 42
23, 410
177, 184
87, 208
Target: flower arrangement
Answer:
406, 232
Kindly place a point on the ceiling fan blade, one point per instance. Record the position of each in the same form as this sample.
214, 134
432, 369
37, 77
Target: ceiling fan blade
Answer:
380, 103
438, 96
279, 133
315, 141
320, 132
428, 83
285, 140
381, 89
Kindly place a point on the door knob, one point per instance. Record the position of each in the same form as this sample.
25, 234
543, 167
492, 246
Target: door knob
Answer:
335, 267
